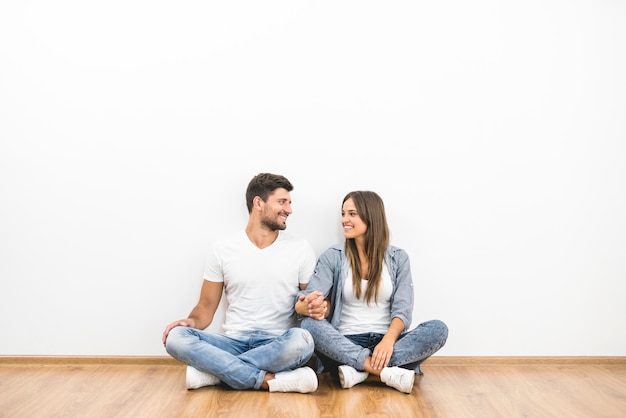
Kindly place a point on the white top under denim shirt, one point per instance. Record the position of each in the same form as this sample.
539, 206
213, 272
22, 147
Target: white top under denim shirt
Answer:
331, 273
359, 314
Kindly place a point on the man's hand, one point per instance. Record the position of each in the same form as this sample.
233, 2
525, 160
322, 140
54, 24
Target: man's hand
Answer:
317, 305
188, 322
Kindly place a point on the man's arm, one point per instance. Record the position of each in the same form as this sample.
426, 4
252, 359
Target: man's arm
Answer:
202, 314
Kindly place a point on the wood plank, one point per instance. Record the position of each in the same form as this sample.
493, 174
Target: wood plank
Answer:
485, 389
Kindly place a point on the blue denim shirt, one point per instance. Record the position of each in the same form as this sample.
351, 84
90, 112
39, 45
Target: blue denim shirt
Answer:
330, 275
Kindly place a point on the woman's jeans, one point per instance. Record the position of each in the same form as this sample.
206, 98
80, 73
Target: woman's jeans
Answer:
409, 351
241, 361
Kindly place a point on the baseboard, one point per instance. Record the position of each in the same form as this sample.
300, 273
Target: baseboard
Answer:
55, 360
432, 361
522, 360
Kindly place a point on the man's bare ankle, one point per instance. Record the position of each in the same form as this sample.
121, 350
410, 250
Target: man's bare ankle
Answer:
268, 376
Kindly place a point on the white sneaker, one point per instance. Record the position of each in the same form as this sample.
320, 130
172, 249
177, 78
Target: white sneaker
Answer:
398, 378
349, 376
301, 380
196, 379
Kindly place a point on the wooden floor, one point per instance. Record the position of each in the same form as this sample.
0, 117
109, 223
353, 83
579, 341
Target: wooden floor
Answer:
449, 388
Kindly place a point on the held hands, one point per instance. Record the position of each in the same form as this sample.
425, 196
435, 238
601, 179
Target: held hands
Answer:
318, 307
188, 322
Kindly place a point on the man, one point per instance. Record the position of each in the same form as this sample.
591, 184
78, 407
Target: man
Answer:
260, 271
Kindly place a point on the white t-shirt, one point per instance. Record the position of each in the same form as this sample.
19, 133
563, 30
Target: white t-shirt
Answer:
260, 285
357, 317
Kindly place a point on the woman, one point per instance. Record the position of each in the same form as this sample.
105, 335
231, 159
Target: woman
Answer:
358, 304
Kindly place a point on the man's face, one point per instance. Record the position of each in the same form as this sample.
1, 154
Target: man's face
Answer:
276, 210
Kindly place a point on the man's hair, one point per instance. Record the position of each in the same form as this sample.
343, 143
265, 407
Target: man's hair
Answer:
263, 185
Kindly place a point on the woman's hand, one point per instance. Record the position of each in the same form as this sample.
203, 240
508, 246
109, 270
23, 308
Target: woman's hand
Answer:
316, 304
382, 353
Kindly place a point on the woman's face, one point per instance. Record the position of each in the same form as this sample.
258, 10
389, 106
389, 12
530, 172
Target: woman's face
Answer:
353, 225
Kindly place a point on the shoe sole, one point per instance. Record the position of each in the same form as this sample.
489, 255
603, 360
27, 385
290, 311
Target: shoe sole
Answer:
341, 378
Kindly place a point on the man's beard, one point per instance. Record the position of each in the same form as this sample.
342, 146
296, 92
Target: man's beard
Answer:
272, 225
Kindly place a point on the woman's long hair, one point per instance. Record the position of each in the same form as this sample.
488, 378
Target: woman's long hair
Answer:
371, 210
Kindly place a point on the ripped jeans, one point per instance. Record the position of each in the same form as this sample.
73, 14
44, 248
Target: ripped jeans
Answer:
240, 361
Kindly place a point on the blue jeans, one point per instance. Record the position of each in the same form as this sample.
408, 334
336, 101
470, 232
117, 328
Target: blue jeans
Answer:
409, 351
240, 361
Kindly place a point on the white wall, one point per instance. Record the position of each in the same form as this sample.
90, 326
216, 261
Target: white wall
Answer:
495, 132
